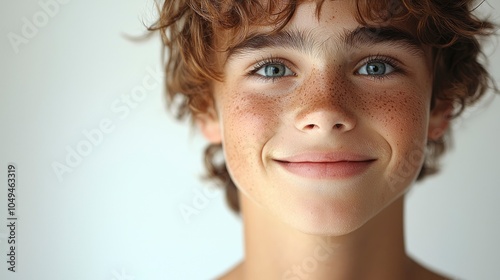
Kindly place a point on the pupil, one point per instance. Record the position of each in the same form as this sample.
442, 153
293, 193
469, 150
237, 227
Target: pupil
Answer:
275, 70
376, 68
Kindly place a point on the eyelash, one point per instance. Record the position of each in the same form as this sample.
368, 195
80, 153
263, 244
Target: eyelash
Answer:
370, 59
265, 62
383, 59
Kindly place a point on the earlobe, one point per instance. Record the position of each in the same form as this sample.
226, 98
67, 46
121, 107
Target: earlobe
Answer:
439, 120
208, 123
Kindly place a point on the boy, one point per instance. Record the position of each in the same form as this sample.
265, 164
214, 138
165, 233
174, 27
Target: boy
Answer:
326, 112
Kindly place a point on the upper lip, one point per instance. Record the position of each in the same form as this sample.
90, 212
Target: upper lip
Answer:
322, 157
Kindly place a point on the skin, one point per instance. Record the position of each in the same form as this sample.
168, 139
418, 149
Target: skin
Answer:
323, 152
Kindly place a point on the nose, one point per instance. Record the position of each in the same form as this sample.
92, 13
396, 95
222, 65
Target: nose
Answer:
323, 120
325, 109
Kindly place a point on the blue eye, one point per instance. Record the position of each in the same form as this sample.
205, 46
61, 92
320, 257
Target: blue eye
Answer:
273, 70
376, 68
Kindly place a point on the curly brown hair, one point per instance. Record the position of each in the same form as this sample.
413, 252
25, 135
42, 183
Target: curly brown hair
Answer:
194, 32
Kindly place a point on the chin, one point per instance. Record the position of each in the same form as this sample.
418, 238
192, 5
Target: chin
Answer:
334, 217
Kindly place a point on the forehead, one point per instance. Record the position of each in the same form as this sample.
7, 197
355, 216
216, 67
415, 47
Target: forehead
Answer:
329, 25
240, 19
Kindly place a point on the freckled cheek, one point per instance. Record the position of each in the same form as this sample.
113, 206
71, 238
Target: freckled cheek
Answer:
251, 116
401, 117
250, 121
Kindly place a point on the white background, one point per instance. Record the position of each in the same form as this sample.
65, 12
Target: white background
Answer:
116, 215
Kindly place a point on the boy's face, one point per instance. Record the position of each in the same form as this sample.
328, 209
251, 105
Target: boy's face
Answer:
324, 124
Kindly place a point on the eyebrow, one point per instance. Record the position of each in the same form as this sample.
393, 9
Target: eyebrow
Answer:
304, 41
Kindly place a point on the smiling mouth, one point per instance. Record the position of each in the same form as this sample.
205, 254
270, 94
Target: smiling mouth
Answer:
339, 169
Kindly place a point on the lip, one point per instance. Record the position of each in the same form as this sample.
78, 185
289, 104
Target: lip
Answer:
326, 165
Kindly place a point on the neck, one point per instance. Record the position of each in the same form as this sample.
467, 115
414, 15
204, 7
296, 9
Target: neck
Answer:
276, 251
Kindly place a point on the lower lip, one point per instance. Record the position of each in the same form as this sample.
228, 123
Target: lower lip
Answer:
327, 170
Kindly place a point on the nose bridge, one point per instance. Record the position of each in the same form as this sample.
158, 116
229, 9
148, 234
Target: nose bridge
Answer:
323, 103
326, 88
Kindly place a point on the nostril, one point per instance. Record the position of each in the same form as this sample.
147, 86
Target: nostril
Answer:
314, 126
323, 121
310, 126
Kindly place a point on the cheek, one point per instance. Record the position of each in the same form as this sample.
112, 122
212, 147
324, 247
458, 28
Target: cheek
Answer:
250, 116
399, 113
249, 120
401, 118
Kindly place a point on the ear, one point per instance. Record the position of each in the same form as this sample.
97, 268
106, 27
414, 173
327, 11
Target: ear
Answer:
439, 119
208, 123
